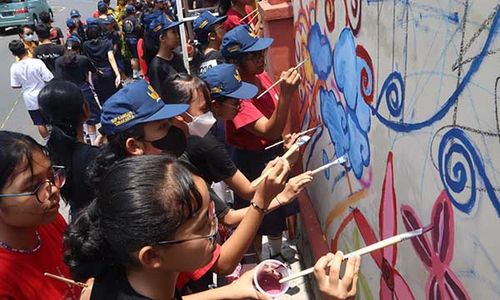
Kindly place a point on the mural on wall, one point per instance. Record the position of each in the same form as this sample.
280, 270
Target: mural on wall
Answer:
409, 91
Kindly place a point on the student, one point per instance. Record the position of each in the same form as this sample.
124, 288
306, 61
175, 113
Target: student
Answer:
132, 31
76, 17
237, 12
163, 62
209, 33
203, 150
142, 135
31, 228
76, 68
152, 13
111, 33
63, 104
103, 10
56, 35
260, 122
29, 39
30, 75
106, 79
46, 50
152, 220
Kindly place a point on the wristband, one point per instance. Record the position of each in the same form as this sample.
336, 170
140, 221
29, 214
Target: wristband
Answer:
263, 210
278, 199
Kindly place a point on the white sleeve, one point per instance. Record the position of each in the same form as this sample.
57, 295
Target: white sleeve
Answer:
45, 73
14, 77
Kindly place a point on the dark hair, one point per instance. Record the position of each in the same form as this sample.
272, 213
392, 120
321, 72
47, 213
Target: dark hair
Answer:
151, 45
113, 152
43, 31
223, 7
16, 147
17, 47
179, 89
142, 200
62, 102
70, 55
93, 32
45, 17
21, 28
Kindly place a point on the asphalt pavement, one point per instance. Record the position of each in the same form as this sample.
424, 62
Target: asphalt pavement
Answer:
13, 113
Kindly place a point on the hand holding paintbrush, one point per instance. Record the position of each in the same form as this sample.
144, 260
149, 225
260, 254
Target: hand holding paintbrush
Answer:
283, 77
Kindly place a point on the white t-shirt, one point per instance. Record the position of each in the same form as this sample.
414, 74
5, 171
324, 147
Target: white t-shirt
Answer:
31, 75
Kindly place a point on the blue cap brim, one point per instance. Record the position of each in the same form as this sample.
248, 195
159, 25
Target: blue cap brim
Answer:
173, 24
166, 112
261, 44
219, 19
245, 91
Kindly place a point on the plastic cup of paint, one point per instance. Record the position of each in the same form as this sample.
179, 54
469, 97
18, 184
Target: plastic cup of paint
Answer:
267, 275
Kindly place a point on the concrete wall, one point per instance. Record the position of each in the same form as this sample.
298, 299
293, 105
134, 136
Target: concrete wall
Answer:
409, 91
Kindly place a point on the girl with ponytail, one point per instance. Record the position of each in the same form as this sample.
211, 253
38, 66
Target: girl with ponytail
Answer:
63, 105
152, 219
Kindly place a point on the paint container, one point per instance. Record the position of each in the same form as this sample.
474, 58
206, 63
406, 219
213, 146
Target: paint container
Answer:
267, 276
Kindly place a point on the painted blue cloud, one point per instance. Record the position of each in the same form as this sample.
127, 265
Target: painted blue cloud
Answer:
334, 118
345, 68
320, 52
359, 147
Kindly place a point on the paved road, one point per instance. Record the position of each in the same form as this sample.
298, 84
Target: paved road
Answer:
13, 114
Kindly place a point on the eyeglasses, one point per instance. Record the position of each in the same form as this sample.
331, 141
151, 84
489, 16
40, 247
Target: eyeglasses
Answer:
44, 190
211, 237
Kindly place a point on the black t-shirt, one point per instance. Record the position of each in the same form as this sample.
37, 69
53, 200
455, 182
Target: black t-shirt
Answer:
210, 158
48, 53
76, 72
210, 60
115, 286
82, 190
160, 69
97, 50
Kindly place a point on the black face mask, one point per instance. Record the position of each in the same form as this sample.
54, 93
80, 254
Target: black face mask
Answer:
173, 143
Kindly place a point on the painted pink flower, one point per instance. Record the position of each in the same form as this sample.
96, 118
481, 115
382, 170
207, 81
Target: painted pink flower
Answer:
392, 284
436, 256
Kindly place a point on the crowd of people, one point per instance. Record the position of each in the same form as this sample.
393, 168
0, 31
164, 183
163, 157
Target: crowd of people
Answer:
140, 150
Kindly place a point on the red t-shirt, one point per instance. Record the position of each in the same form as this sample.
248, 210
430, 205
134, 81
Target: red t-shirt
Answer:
142, 61
234, 18
185, 277
21, 274
251, 111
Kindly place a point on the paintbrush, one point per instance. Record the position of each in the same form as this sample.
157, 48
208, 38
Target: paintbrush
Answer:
341, 160
375, 246
248, 15
300, 141
300, 133
64, 279
300, 64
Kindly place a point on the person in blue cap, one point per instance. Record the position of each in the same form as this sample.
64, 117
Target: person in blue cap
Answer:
73, 29
152, 13
161, 40
132, 31
74, 67
209, 33
76, 17
260, 122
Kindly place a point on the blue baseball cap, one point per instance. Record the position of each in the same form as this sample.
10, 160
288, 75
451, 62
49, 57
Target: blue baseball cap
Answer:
205, 22
108, 21
101, 4
136, 103
70, 23
241, 40
162, 24
92, 21
73, 41
224, 81
130, 9
74, 13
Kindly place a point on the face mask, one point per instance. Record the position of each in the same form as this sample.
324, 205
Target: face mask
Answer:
29, 37
174, 142
201, 124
